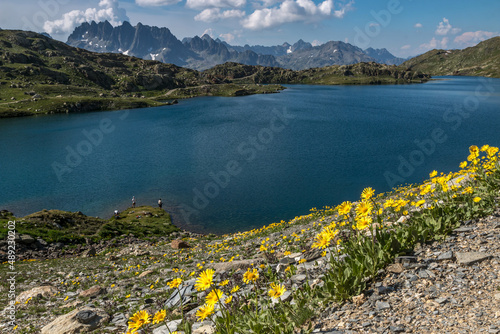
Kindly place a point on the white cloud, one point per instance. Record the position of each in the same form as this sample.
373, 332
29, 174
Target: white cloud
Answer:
406, 47
444, 42
418, 25
294, 11
445, 27
227, 37
199, 4
471, 38
373, 24
434, 43
316, 43
210, 32
110, 11
147, 3
215, 14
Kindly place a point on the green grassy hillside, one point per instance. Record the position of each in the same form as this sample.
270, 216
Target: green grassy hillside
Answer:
480, 60
39, 75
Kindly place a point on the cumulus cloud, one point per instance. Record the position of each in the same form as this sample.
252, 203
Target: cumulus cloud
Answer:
316, 43
445, 27
418, 25
227, 37
434, 43
406, 47
471, 38
210, 32
215, 14
109, 10
146, 3
294, 11
199, 4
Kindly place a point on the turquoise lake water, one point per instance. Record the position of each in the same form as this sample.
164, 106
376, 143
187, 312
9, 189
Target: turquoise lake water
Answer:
229, 164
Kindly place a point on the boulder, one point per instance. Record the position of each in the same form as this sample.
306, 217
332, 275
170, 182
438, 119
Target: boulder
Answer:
206, 329
81, 320
94, 291
26, 239
179, 244
89, 252
145, 273
45, 291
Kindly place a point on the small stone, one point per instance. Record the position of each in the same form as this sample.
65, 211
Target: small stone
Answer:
93, 292
145, 273
298, 278
445, 256
382, 305
396, 268
207, 329
469, 258
406, 259
359, 300
463, 229
395, 329
441, 300
179, 244
86, 316
89, 252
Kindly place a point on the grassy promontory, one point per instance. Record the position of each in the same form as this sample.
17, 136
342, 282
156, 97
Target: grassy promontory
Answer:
269, 280
39, 75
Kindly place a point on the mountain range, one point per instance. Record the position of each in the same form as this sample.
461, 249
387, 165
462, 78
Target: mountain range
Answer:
40, 75
154, 43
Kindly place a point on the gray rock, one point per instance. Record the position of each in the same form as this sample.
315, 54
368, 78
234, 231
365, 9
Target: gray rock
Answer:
86, 316
185, 293
406, 259
287, 261
382, 305
441, 300
469, 258
119, 319
171, 326
26, 239
71, 323
445, 256
298, 278
463, 229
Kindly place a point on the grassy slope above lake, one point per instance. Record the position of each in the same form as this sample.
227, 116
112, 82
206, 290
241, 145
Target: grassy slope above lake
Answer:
39, 75
480, 60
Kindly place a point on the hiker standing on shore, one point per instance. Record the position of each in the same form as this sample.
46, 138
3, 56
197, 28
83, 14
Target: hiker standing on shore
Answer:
133, 201
160, 203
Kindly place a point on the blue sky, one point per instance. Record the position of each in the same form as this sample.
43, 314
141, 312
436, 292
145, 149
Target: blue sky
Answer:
404, 27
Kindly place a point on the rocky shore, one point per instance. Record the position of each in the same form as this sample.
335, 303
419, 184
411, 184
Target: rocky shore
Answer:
447, 287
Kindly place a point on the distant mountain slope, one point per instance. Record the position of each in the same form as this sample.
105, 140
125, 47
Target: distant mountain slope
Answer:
384, 57
204, 52
40, 75
480, 60
331, 53
359, 73
153, 43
